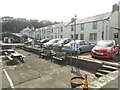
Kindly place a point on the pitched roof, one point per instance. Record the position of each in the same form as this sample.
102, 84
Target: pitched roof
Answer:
94, 18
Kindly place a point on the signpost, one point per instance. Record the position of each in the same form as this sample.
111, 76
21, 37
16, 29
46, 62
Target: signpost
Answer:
74, 46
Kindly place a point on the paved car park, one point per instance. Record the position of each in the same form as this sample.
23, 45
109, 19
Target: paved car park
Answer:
41, 73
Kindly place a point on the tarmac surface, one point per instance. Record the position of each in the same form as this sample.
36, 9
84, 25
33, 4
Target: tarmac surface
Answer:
41, 73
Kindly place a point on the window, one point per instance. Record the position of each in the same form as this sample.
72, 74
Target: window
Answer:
48, 32
102, 35
61, 36
82, 43
86, 43
81, 36
55, 36
115, 35
82, 26
76, 36
71, 36
47, 36
93, 36
61, 29
51, 37
71, 27
44, 31
105, 43
52, 31
95, 25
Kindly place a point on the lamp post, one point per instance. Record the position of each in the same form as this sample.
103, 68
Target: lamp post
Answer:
73, 20
76, 46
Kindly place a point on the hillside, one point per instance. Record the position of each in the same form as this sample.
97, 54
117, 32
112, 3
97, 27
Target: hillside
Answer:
16, 25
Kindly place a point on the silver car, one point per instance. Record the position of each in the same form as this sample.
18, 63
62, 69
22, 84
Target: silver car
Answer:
60, 43
50, 43
83, 46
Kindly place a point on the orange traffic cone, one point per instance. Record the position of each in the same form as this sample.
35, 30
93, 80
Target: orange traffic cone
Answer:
85, 83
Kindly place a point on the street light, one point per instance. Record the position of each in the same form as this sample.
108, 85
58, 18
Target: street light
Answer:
73, 20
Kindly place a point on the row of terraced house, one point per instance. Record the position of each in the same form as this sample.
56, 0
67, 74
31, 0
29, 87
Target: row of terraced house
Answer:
95, 28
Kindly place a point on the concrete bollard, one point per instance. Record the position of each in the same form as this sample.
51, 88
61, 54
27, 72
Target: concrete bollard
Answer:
85, 83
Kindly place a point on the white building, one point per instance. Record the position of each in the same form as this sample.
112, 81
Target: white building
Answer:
25, 31
93, 29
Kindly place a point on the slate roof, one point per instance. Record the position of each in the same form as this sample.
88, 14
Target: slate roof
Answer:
94, 18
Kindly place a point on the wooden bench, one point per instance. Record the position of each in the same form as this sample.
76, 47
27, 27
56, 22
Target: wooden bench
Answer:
10, 58
16, 56
5, 53
59, 56
46, 53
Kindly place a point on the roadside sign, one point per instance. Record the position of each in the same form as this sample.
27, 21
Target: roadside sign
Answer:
74, 46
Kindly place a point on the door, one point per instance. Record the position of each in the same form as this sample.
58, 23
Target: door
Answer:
82, 46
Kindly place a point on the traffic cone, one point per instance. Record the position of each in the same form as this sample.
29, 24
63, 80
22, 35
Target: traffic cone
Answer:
85, 83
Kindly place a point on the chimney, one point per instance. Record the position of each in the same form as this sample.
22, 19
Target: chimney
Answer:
115, 8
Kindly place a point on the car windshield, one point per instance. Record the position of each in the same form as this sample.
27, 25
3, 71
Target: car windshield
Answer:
42, 40
56, 41
61, 41
76, 41
53, 41
105, 43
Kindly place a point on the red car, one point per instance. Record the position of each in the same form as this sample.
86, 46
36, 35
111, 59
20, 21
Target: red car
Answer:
105, 49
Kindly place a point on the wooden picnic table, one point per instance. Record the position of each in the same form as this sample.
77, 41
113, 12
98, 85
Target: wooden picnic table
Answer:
15, 56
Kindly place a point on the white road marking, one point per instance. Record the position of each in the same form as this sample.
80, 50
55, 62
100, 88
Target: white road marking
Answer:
9, 79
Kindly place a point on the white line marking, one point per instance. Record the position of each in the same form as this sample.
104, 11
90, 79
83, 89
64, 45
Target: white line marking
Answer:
9, 79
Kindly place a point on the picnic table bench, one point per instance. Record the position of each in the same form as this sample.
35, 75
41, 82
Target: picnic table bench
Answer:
45, 53
5, 53
10, 58
16, 56
59, 56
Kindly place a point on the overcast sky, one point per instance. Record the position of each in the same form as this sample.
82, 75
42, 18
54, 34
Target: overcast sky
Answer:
54, 10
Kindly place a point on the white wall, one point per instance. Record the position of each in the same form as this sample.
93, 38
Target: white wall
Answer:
114, 24
119, 22
67, 32
103, 26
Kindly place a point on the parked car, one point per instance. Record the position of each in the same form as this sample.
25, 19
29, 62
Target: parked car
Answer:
105, 49
59, 44
50, 43
28, 42
84, 46
41, 42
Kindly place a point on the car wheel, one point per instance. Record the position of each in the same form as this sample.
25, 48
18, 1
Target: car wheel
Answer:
113, 57
50, 47
118, 52
80, 51
92, 57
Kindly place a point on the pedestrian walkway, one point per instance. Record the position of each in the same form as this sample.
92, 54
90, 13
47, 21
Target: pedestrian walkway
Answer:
114, 84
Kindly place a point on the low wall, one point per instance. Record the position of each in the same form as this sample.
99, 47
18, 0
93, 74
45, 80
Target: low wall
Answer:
84, 64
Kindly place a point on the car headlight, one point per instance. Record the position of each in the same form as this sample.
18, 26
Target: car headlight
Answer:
60, 45
109, 50
93, 50
45, 45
